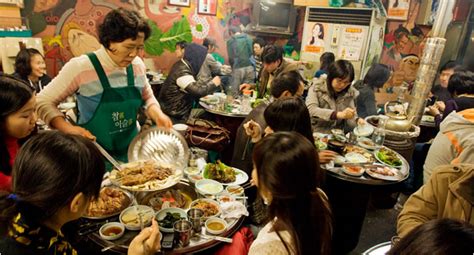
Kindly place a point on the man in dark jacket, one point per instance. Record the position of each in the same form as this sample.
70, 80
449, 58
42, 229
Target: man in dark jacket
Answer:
285, 85
181, 87
239, 50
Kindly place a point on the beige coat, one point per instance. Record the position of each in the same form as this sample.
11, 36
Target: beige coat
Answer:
321, 106
448, 194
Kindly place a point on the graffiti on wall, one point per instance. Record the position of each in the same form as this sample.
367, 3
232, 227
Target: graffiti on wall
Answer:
69, 28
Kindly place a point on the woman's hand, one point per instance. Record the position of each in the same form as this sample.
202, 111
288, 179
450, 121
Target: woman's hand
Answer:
433, 111
346, 114
160, 119
62, 125
217, 81
148, 242
253, 130
361, 122
326, 156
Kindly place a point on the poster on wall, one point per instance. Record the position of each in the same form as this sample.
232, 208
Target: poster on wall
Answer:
351, 42
314, 40
182, 3
398, 9
207, 7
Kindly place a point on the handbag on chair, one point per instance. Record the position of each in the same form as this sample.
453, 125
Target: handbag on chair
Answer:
207, 135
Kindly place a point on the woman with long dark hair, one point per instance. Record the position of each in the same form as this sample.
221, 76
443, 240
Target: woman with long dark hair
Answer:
17, 122
288, 177
326, 59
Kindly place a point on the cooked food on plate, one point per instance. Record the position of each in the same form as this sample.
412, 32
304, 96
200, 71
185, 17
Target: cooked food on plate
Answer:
209, 208
110, 201
383, 170
353, 170
389, 157
169, 198
169, 219
220, 172
131, 216
359, 150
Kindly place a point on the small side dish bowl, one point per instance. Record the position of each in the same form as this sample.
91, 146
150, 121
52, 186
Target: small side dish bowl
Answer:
112, 231
353, 170
131, 219
209, 187
166, 224
235, 190
216, 226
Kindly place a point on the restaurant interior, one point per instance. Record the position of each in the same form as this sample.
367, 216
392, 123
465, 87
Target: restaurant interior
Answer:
237, 127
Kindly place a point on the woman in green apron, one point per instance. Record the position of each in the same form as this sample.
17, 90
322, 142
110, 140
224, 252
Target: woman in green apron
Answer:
110, 85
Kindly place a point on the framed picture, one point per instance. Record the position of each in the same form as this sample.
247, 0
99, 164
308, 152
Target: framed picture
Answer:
182, 3
207, 7
398, 9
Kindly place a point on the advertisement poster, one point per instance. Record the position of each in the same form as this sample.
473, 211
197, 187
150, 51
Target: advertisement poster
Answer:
398, 9
351, 42
315, 37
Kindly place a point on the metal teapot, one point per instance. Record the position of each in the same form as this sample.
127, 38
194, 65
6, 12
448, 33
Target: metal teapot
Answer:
397, 121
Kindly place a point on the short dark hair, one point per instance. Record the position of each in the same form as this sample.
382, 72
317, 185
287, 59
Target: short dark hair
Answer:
451, 64
461, 82
259, 41
51, 168
442, 236
181, 44
272, 53
326, 59
286, 81
23, 61
208, 42
400, 32
377, 75
341, 69
14, 94
122, 24
234, 30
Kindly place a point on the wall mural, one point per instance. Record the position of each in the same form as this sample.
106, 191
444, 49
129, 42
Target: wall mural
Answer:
403, 45
69, 28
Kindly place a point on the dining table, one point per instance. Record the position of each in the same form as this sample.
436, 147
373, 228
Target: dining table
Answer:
349, 198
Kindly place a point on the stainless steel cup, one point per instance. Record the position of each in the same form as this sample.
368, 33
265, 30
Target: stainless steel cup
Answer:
183, 231
195, 215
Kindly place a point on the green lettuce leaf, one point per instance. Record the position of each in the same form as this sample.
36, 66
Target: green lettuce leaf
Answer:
159, 41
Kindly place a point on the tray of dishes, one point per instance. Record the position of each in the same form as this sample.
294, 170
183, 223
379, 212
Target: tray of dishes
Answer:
111, 201
145, 175
165, 146
224, 174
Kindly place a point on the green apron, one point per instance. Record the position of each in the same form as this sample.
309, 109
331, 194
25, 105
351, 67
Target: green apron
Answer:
114, 122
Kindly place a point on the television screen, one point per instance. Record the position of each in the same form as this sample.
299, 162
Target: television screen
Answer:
274, 14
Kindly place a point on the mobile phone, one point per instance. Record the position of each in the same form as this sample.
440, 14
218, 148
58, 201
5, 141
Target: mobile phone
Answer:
167, 241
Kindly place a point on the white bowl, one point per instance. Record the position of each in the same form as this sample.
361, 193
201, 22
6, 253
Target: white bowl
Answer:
115, 227
129, 216
363, 130
213, 221
180, 127
161, 214
356, 158
209, 201
209, 187
235, 190
193, 178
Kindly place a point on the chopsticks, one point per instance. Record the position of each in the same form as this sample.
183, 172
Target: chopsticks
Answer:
248, 185
108, 156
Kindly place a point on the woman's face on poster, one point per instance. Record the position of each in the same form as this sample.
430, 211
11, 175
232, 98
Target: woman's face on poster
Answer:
316, 31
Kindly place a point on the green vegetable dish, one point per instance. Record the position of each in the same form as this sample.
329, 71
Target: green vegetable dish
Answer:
219, 172
169, 220
389, 157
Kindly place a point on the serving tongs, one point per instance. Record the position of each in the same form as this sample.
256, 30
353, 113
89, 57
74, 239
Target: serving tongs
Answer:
108, 156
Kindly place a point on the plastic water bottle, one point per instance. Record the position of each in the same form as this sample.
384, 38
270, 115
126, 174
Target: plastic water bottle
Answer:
245, 104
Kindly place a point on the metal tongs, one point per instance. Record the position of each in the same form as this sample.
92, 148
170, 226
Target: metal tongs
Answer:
108, 156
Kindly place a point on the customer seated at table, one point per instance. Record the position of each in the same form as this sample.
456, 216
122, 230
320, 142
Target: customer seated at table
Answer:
331, 99
375, 78
447, 194
31, 68
443, 236
285, 85
17, 122
461, 87
273, 65
453, 144
181, 88
55, 177
180, 47
211, 66
326, 59
440, 91
288, 178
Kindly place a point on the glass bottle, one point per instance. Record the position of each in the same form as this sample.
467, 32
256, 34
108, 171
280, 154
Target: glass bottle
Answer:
378, 137
245, 106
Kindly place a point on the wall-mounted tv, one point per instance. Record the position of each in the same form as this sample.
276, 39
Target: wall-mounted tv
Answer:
274, 16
